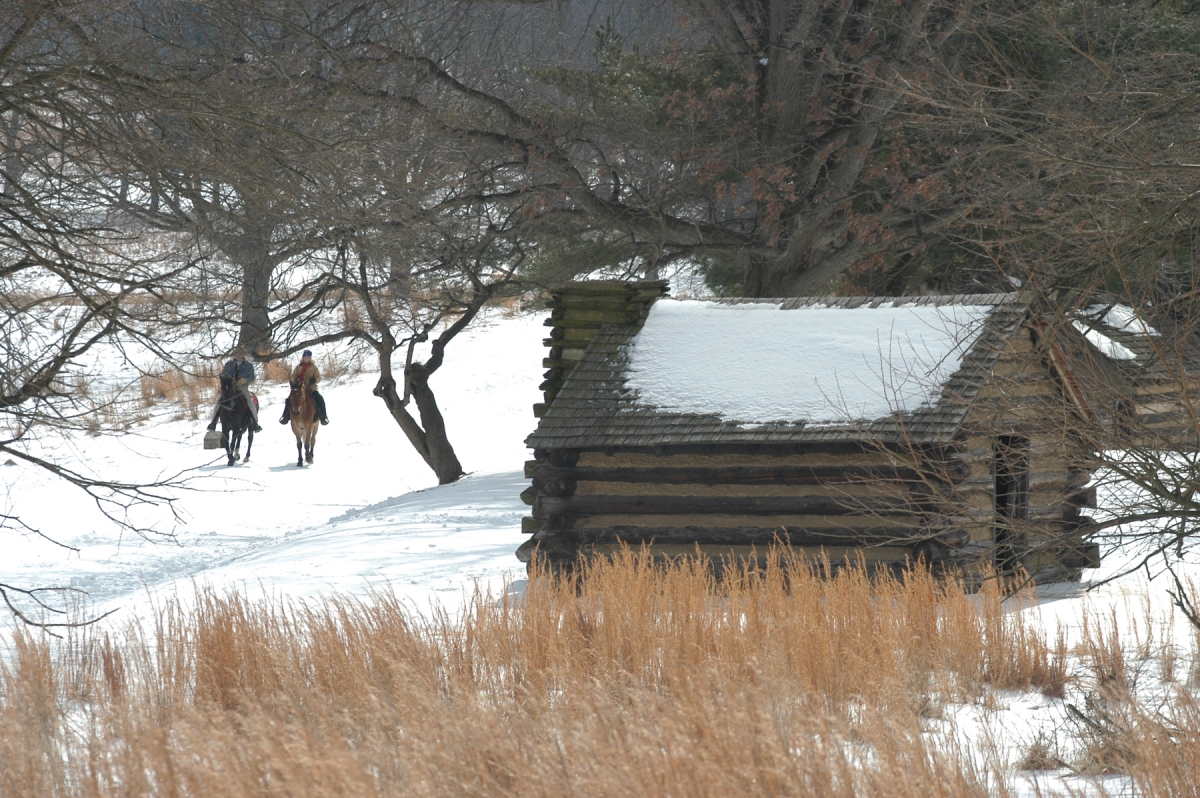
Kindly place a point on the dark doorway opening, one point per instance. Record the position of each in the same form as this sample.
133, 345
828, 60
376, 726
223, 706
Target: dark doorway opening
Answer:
1010, 467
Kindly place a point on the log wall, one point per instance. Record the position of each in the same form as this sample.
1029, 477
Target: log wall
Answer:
886, 503
833, 500
1023, 398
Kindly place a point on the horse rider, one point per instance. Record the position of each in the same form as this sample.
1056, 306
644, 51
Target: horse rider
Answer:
241, 370
306, 372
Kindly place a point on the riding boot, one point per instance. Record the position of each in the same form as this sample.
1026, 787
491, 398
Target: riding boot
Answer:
320, 402
251, 406
287, 411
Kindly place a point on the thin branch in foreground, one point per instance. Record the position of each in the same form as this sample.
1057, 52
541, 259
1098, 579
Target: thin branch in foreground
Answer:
7, 592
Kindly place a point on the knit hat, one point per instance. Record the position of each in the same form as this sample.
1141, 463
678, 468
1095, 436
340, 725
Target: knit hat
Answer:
307, 353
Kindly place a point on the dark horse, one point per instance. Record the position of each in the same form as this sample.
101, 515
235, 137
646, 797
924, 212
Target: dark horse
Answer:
235, 420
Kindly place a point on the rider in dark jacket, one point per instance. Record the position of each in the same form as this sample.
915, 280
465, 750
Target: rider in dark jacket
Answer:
242, 370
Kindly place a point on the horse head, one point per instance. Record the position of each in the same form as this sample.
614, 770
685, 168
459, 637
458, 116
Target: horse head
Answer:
296, 396
231, 397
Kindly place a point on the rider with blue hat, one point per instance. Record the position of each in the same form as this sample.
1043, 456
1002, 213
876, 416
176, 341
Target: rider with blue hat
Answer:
307, 373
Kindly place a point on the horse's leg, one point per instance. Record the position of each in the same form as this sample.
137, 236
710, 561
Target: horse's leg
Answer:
299, 451
249, 446
313, 430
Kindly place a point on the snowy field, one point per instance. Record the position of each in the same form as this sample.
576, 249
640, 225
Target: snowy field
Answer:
368, 515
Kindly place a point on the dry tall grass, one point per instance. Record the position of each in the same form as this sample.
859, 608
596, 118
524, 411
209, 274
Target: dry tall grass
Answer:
277, 370
628, 681
188, 389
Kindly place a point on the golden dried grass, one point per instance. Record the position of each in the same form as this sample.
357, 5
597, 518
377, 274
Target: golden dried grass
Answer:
277, 370
1161, 750
337, 364
189, 388
631, 679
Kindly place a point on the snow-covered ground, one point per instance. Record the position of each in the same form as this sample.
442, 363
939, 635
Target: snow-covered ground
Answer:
368, 514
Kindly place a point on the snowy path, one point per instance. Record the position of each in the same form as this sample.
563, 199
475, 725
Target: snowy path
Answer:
367, 513
428, 545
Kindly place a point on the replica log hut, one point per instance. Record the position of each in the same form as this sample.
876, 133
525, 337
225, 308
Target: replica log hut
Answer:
891, 429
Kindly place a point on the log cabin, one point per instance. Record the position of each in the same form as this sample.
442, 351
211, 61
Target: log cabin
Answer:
891, 429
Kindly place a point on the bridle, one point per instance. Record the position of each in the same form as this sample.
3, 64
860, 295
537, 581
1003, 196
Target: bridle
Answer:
229, 400
298, 392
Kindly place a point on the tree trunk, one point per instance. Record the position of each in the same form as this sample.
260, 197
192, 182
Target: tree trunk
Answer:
255, 330
12, 166
429, 436
802, 270
400, 277
441, 458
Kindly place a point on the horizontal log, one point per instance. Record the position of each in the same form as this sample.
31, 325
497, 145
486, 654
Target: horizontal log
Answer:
726, 505
555, 487
571, 305
591, 319
560, 363
800, 455
592, 287
565, 352
860, 489
734, 475
754, 536
573, 336
846, 523
561, 553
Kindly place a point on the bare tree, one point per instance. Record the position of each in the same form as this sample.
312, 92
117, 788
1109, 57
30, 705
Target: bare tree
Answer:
229, 132
1111, 244
70, 277
764, 134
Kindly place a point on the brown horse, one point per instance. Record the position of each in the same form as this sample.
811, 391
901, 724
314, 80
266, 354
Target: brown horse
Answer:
304, 422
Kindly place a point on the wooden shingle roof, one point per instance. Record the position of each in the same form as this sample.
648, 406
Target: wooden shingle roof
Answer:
1166, 355
597, 408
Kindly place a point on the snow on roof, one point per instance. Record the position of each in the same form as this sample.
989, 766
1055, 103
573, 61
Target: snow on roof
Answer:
1099, 322
1107, 346
1120, 317
757, 363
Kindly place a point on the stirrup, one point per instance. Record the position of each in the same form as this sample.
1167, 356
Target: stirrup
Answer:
324, 421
